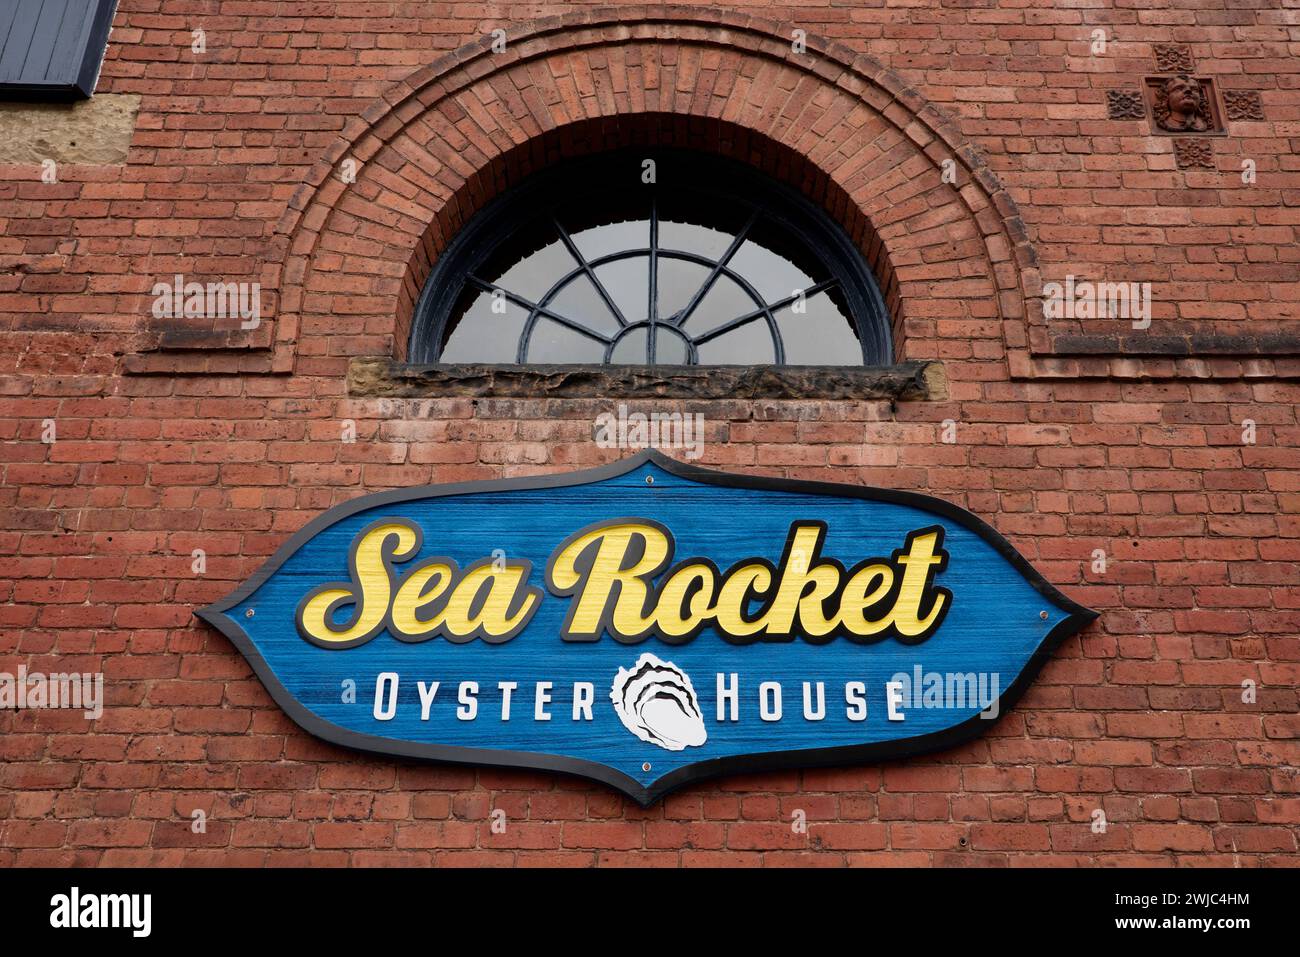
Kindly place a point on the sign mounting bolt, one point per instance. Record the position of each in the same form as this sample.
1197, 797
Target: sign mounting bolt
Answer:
646, 766
1043, 615
649, 480
248, 613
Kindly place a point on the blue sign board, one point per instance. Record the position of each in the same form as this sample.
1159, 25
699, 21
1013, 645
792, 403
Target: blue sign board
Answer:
647, 624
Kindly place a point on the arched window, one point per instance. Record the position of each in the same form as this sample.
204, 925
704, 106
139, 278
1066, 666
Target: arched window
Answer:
652, 258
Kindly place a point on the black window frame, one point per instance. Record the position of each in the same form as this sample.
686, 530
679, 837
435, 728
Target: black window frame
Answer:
535, 197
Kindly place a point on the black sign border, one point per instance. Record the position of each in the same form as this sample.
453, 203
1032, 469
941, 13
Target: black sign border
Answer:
1078, 618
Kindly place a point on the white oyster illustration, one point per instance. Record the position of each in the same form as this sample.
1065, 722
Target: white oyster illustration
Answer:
656, 701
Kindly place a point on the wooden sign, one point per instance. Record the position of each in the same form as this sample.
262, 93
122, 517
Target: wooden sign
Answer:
647, 624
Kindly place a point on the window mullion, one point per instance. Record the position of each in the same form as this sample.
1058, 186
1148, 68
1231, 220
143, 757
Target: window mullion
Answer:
576, 253
717, 271
653, 306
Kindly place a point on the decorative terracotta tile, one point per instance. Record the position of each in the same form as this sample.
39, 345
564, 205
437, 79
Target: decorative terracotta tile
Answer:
1174, 58
1243, 105
1194, 154
1125, 105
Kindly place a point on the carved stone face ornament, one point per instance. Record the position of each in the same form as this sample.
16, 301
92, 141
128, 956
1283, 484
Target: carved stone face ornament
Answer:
1180, 106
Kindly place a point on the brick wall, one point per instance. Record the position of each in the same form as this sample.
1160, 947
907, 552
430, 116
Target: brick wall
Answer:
1072, 436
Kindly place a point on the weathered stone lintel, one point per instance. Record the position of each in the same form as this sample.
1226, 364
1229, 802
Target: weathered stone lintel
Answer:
383, 377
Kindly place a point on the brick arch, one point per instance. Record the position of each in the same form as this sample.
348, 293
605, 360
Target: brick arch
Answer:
445, 141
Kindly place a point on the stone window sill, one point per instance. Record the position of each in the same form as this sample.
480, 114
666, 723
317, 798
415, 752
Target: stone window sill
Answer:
383, 377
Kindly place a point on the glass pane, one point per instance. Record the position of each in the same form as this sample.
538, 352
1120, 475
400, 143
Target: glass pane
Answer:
820, 335
670, 348
536, 273
688, 237
628, 283
750, 344
485, 335
696, 218
774, 276
725, 301
631, 349
597, 241
581, 302
678, 282
552, 342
